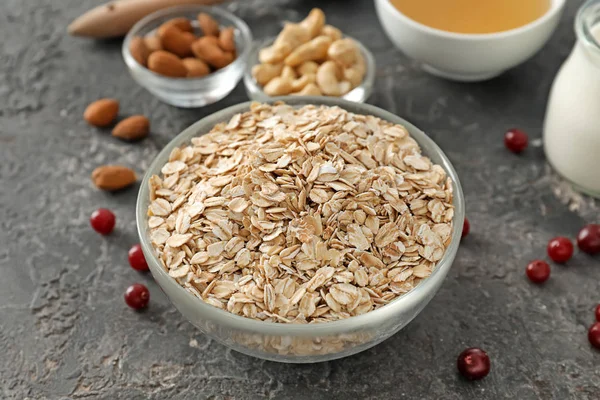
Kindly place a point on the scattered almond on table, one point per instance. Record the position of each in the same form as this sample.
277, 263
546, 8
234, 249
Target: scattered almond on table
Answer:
310, 58
101, 113
113, 177
176, 51
132, 128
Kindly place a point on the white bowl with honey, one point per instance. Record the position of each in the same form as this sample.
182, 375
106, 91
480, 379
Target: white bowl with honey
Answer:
469, 40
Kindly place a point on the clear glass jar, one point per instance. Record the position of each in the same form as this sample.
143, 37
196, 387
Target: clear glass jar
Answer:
572, 126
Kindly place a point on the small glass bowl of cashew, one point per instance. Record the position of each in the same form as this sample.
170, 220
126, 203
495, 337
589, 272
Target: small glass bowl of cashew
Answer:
310, 58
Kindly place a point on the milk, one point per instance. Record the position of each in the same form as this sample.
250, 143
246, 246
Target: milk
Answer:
572, 126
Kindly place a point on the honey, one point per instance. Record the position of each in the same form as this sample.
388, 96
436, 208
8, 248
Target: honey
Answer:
473, 16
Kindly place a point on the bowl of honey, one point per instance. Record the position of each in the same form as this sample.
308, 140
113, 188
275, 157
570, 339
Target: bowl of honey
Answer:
469, 40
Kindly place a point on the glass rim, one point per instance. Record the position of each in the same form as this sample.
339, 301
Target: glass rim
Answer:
583, 28
372, 318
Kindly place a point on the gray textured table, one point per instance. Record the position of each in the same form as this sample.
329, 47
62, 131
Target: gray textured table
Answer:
66, 333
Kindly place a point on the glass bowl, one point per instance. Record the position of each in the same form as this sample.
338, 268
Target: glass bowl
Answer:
301, 343
190, 92
359, 94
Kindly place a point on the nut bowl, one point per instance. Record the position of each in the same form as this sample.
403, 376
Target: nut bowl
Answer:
359, 94
301, 343
190, 92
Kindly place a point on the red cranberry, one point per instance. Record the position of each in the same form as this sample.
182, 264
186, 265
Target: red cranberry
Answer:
103, 221
473, 363
137, 296
588, 239
137, 259
538, 271
516, 140
466, 228
598, 313
594, 335
560, 249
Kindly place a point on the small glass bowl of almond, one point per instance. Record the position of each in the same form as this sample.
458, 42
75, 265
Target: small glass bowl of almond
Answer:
310, 58
188, 56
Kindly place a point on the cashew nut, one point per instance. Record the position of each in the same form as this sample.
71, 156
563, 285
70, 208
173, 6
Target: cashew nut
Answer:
331, 31
292, 34
290, 37
328, 76
307, 67
288, 73
344, 87
344, 52
314, 22
278, 87
360, 64
353, 75
274, 55
309, 90
300, 83
263, 73
314, 50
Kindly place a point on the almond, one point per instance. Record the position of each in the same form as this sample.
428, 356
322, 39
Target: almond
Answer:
113, 177
167, 64
213, 40
153, 43
182, 23
195, 67
190, 36
227, 39
209, 26
139, 51
132, 128
206, 50
177, 41
101, 113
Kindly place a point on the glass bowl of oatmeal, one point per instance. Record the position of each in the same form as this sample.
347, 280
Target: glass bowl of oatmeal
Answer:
302, 231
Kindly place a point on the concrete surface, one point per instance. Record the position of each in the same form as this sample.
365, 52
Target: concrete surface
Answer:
65, 331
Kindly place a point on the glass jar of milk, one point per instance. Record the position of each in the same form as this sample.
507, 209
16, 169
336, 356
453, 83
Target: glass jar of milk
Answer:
572, 126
